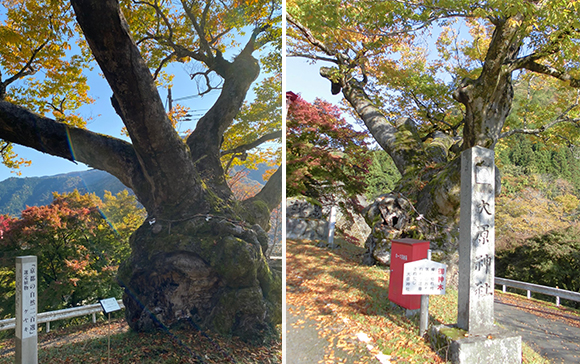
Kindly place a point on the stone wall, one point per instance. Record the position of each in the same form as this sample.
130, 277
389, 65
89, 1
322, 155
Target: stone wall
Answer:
307, 221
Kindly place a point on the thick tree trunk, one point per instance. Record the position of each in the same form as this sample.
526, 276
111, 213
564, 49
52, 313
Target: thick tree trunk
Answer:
199, 257
425, 204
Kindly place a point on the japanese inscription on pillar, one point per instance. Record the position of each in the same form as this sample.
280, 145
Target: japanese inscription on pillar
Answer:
476, 240
26, 297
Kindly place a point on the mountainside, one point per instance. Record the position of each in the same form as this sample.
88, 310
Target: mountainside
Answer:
17, 193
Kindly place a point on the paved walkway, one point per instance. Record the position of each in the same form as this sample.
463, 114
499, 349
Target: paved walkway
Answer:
305, 346
553, 338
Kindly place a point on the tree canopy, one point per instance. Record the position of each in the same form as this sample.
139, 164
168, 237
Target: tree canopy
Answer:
44, 60
433, 78
431, 60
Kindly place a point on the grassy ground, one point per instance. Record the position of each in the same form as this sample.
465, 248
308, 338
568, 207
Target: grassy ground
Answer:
332, 286
88, 344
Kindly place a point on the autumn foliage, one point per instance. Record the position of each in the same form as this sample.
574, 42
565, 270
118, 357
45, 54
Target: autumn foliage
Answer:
325, 155
79, 241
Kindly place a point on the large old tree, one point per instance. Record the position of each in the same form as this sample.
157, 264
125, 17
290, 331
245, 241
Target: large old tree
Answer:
433, 78
198, 257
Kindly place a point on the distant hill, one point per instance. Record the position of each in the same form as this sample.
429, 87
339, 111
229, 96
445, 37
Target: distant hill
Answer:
17, 193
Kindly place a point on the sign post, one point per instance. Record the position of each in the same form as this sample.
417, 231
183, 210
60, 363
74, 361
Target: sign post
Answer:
109, 305
331, 226
424, 277
26, 308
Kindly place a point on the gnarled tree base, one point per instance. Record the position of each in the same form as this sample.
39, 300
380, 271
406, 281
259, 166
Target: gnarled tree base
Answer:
392, 217
207, 271
388, 217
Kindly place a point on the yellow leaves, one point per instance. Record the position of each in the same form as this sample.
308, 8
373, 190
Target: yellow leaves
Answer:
10, 159
178, 114
568, 202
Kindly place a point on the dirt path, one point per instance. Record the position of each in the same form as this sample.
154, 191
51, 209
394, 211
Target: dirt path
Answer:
552, 332
61, 337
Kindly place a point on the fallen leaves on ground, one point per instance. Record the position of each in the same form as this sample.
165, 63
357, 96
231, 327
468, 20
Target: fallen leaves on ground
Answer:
350, 300
88, 344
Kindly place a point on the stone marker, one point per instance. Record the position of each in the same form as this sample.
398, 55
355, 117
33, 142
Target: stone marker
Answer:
331, 225
475, 339
476, 241
26, 307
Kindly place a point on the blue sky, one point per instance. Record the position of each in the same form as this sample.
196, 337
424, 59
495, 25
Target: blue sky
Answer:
106, 121
303, 78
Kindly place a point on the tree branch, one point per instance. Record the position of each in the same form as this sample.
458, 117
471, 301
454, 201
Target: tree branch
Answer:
163, 62
200, 28
550, 71
400, 139
562, 118
313, 57
24, 71
20, 126
254, 144
308, 35
161, 14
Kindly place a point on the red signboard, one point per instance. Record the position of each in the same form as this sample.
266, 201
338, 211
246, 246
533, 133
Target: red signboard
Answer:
404, 251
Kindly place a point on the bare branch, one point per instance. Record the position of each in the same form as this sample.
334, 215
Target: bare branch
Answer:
245, 147
562, 118
312, 56
163, 62
205, 75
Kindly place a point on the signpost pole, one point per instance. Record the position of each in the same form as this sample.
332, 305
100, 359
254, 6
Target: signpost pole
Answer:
109, 305
424, 277
26, 303
109, 341
424, 319
331, 226
424, 322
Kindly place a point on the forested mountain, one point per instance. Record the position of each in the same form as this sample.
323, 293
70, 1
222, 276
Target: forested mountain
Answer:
17, 193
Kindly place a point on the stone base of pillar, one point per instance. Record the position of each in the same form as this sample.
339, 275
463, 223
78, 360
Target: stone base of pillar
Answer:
459, 347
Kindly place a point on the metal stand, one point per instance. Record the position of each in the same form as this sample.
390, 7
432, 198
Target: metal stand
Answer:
109, 343
424, 321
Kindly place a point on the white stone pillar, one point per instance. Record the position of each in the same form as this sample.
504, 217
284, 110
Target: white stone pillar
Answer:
476, 241
331, 226
26, 309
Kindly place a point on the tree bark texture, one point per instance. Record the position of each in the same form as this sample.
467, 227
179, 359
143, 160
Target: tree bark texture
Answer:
198, 258
425, 204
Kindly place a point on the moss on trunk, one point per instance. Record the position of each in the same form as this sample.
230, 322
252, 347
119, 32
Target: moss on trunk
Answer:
208, 271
